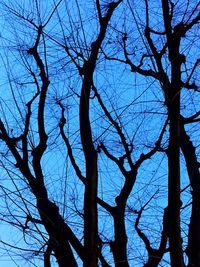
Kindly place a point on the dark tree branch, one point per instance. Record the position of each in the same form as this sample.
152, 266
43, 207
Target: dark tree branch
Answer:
135, 68
27, 122
99, 11
148, 155
65, 139
105, 205
191, 119
187, 27
188, 149
47, 255
114, 159
115, 124
140, 233
154, 255
19, 161
91, 187
101, 257
41, 147
193, 85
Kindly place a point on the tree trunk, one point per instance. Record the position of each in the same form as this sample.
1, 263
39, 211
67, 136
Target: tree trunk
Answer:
173, 99
193, 249
175, 241
56, 229
119, 245
90, 196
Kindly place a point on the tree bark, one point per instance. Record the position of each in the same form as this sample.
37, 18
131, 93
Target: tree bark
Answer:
175, 241
56, 229
119, 245
90, 196
91, 185
173, 43
188, 149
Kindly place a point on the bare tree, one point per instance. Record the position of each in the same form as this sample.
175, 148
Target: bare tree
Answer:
98, 122
172, 82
